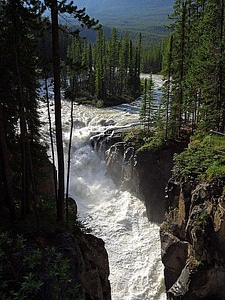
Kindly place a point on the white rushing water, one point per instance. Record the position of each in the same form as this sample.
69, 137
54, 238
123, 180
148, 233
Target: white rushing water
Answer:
132, 242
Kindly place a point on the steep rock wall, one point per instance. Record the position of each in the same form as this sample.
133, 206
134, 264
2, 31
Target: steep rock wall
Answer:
87, 274
193, 231
94, 268
193, 240
144, 173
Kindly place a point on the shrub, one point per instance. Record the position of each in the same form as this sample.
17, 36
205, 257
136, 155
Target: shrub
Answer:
200, 161
31, 272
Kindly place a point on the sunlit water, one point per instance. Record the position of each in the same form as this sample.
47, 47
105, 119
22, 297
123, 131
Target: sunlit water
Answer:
132, 242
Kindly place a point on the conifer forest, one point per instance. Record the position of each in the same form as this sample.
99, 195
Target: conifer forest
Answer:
101, 71
107, 72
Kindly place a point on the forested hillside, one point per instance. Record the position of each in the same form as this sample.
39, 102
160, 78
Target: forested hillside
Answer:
194, 68
125, 8
147, 17
104, 71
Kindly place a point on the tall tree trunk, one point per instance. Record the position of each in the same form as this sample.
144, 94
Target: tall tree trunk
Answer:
68, 165
168, 87
6, 167
51, 137
25, 205
58, 118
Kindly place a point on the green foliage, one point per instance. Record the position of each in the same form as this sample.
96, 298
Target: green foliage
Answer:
217, 141
107, 70
152, 58
193, 65
155, 144
195, 262
136, 137
31, 272
147, 111
216, 170
144, 141
201, 218
199, 162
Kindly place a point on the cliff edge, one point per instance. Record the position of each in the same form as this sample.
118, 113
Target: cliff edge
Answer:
193, 240
143, 173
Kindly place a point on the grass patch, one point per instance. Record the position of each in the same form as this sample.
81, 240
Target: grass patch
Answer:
204, 160
143, 140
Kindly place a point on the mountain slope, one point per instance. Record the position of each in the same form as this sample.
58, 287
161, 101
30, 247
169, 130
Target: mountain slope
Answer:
133, 16
125, 7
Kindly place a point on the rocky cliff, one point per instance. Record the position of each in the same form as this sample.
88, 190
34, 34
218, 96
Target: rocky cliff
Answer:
94, 268
193, 240
193, 231
144, 173
59, 265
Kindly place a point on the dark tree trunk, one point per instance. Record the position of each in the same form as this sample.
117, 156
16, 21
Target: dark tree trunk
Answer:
51, 138
7, 177
58, 120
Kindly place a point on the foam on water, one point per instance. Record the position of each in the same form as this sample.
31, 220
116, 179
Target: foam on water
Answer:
120, 220
132, 242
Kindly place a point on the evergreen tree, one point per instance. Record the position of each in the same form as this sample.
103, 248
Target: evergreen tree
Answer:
114, 67
123, 64
194, 69
112, 62
56, 8
147, 110
166, 95
100, 65
18, 90
74, 62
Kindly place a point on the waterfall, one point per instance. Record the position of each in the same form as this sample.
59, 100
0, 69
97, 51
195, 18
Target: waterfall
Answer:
119, 218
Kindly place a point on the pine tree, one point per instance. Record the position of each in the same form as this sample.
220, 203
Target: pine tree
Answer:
147, 110
100, 66
18, 88
57, 7
195, 83
123, 64
112, 62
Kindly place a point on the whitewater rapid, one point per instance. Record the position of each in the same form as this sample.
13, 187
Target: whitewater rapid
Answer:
131, 241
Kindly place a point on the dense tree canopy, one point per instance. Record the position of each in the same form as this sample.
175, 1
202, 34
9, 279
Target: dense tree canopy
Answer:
18, 99
194, 66
20, 147
107, 70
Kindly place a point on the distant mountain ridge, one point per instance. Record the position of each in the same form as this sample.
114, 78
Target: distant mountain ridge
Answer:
146, 16
124, 6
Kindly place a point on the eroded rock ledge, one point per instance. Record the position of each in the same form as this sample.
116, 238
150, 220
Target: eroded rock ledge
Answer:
193, 231
144, 173
193, 240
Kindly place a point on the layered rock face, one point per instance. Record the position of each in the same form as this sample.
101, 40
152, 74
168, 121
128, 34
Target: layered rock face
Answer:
193, 240
144, 173
88, 260
193, 231
94, 268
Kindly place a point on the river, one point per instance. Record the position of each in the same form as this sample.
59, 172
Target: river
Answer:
132, 242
